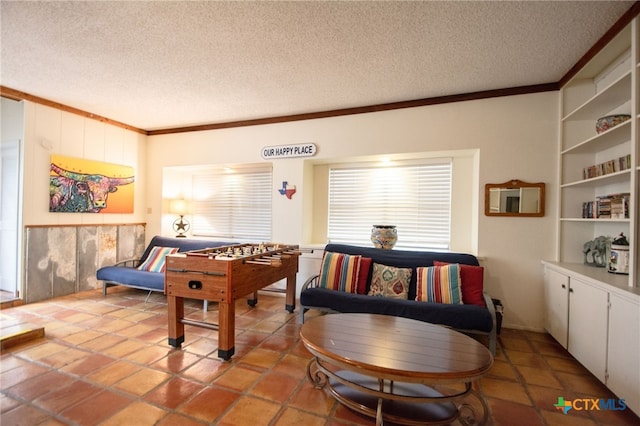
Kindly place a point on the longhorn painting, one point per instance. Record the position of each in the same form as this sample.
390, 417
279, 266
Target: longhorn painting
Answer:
83, 186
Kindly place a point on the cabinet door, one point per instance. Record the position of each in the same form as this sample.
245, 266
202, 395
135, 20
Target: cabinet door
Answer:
588, 312
623, 364
556, 294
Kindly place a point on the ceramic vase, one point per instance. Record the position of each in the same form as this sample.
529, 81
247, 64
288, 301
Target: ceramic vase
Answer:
384, 236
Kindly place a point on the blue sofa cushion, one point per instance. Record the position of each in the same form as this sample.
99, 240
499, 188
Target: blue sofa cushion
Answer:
132, 277
461, 317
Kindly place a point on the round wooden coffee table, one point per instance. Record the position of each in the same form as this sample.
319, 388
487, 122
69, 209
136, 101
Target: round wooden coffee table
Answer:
397, 369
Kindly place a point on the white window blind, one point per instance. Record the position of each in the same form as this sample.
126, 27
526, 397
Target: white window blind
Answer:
416, 198
233, 204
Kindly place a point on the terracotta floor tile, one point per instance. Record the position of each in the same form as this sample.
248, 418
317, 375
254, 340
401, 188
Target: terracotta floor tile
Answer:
103, 342
248, 410
61, 398
537, 376
113, 373
174, 419
174, 392
567, 365
556, 418
135, 330
526, 359
503, 370
24, 415
65, 357
292, 365
144, 414
506, 390
264, 358
275, 387
124, 348
142, 381
32, 388
155, 335
7, 403
583, 384
96, 408
148, 354
87, 365
43, 350
201, 406
278, 343
19, 374
176, 361
82, 336
206, 369
551, 348
202, 347
9, 362
238, 378
506, 412
517, 344
314, 400
294, 417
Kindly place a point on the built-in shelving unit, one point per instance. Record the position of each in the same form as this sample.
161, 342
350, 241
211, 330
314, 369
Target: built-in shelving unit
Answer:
607, 85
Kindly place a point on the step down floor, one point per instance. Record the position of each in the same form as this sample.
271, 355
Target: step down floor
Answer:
13, 333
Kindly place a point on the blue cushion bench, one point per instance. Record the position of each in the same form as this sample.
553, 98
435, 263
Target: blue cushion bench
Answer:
125, 273
466, 318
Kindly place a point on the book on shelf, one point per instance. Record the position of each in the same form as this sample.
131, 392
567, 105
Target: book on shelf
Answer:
608, 167
612, 206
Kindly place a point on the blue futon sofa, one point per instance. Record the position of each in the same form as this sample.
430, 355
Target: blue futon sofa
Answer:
125, 273
478, 318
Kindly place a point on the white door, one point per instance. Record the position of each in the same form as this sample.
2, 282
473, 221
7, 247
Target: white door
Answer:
556, 292
9, 202
588, 324
623, 363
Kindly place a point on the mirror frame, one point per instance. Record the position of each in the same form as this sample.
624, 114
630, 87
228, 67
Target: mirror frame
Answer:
514, 184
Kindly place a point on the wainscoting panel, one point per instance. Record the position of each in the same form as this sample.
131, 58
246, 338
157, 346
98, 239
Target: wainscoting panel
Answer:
61, 260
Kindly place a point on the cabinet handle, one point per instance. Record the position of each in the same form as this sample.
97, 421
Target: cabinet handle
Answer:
570, 290
564, 286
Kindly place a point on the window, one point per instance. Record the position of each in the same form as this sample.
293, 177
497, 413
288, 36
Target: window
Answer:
233, 204
416, 198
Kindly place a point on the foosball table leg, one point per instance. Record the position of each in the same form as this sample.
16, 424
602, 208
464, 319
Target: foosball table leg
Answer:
290, 302
226, 329
253, 302
176, 315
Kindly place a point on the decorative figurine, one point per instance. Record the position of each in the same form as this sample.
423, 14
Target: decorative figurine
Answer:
595, 251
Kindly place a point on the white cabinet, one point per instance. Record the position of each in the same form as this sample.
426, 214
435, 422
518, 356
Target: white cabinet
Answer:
557, 305
623, 366
599, 324
587, 337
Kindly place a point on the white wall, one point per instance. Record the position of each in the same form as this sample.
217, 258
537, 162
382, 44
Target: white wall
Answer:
52, 131
515, 136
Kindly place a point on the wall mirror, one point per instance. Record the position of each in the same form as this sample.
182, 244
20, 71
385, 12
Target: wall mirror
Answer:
514, 198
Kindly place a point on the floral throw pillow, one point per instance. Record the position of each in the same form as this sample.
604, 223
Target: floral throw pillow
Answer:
389, 281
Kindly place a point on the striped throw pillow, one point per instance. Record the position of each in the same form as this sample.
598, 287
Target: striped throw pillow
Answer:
155, 261
439, 284
340, 271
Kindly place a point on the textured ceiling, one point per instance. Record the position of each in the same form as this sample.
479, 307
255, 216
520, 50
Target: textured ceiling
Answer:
157, 65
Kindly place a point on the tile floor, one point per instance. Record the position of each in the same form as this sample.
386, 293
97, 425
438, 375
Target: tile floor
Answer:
105, 361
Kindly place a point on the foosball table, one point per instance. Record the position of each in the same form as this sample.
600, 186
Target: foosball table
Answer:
224, 275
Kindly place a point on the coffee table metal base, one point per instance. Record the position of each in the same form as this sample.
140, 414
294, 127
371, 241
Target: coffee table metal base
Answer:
398, 402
